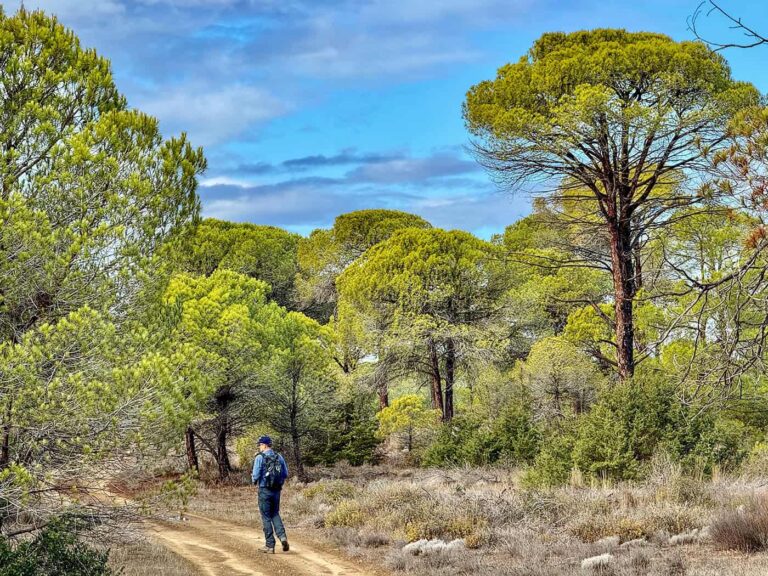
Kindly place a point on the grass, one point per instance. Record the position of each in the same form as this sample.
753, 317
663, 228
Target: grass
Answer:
511, 531
745, 528
371, 513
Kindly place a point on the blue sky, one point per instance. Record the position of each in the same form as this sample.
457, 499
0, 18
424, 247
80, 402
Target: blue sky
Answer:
311, 108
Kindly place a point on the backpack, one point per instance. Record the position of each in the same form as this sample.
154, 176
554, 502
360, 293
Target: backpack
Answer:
272, 471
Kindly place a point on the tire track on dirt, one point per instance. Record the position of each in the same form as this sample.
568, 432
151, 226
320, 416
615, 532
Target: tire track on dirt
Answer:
219, 548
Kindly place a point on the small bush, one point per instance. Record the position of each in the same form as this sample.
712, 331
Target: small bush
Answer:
594, 528
346, 514
744, 529
330, 491
56, 551
511, 438
554, 465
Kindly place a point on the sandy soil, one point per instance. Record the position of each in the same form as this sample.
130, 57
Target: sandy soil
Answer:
218, 548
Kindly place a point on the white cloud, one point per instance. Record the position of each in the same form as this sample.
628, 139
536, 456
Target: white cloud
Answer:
413, 170
429, 11
224, 181
72, 9
211, 116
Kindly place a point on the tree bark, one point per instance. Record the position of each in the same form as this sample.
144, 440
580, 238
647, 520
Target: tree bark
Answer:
383, 392
624, 286
192, 461
221, 447
5, 444
437, 388
450, 370
224, 397
296, 441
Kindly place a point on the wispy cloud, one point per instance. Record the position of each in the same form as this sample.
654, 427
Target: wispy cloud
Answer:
413, 170
345, 157
441, 187
310, 204
213, 116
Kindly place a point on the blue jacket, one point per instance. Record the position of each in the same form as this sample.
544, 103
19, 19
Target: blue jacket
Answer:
258, 468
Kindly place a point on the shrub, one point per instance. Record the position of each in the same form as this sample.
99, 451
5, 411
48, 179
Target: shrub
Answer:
458, 442
511, 437
634, 420
595, 528
553, 465
442, 526
515, 438
626, 426
346, 514
721, 442
350, 435
745, 529
756, 464
330, 491
56, 551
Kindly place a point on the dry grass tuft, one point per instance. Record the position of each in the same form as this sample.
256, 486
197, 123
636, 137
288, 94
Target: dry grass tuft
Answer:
744, 529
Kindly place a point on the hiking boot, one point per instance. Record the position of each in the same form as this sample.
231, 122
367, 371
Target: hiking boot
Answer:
267, 550
285, 546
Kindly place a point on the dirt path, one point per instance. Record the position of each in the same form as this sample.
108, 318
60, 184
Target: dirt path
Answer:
219, 548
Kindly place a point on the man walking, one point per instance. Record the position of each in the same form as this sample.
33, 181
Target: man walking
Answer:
269, 474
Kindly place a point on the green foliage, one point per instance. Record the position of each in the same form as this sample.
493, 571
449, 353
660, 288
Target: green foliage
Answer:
585, 109
459, 441
511, 439
567, 80
422, 295
553, 465
409, 416
515, 437
222, 321
544, 293
560, 377
90, 190
347, 513
633, 421
55, 551
357, 231
297, 384
262, 252
327, 253
330, 491
352, 431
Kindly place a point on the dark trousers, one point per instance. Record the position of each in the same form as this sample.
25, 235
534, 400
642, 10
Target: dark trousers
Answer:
269, 506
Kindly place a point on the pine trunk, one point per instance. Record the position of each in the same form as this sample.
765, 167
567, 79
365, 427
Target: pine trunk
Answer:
192, 461
300, 472
221, 444
624, 286
450, 370
383, 392
437, 386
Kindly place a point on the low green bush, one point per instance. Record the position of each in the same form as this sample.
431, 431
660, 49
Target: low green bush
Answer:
511, 438
631, 422
553, 464
55, 551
